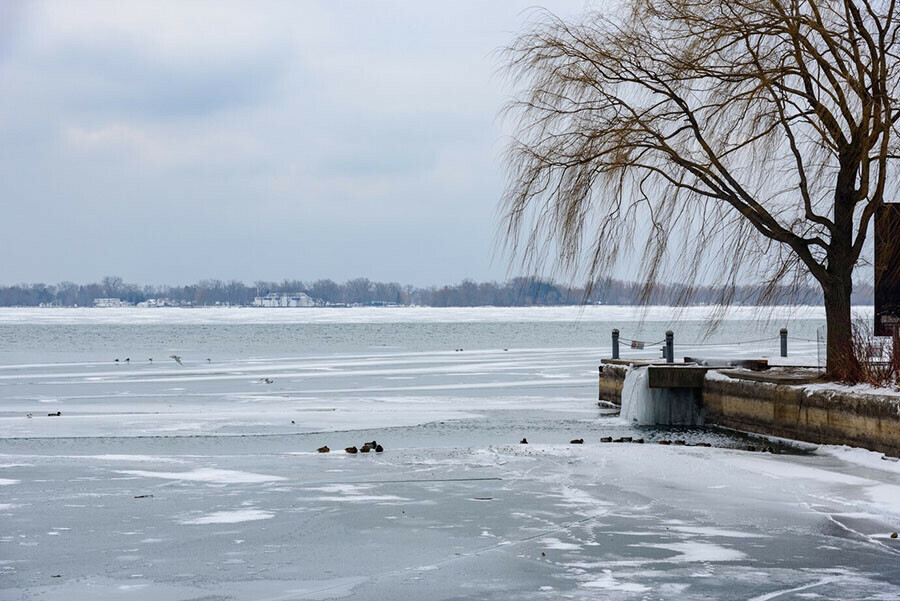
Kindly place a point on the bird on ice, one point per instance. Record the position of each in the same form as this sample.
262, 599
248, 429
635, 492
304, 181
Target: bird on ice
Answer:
177, 359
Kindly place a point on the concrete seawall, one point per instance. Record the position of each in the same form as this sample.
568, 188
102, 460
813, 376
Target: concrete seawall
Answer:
818, 415
612, 378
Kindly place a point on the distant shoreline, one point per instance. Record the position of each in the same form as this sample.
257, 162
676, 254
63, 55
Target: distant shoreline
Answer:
515, 292
324, 315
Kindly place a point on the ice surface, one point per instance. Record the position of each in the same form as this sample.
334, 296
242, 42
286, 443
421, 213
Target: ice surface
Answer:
203, 482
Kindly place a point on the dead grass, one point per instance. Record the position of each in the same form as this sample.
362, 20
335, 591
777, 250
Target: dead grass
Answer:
874, 360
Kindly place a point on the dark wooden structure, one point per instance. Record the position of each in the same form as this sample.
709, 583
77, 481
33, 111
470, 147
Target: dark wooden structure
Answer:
887, 269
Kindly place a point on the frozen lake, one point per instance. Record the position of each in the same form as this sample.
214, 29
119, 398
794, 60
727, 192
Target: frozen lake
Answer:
161, 481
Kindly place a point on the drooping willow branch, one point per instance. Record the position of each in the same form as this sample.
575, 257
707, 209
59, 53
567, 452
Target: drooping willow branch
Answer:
761, 133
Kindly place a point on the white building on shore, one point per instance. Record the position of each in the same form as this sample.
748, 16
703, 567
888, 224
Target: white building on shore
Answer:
110, 302
157, 302
296, 299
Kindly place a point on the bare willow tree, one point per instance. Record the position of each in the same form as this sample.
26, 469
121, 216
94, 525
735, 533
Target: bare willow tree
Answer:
757, 136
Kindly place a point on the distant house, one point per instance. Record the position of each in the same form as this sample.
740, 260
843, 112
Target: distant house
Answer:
297, 299
157, 302
110, 302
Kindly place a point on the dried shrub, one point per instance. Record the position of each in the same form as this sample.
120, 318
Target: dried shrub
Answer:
874, 360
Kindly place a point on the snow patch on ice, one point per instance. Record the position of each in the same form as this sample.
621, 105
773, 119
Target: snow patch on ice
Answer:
862, 457
588, 505
7, 481
709, 531
134, 458
359, 499
694, 551
348, 489
886, 496
208, 475
350, 493
608, 582
791, 471
558, 545
231, 517
783, 592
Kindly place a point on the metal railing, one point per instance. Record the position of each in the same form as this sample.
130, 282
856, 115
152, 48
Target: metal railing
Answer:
668, 350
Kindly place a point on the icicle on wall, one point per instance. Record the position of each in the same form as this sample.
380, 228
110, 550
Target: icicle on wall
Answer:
647, 406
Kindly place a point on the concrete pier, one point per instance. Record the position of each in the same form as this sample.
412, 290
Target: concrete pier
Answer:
777, 405
672, 376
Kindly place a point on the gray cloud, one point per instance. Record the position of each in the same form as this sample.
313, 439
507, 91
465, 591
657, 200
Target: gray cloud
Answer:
168, 142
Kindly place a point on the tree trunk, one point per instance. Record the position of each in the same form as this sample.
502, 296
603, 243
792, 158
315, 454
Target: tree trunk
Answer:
841, 363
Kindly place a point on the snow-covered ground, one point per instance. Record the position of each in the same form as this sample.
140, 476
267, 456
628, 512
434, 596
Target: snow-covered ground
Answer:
167, 482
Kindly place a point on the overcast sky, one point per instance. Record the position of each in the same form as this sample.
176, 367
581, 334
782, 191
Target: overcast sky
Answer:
169, 142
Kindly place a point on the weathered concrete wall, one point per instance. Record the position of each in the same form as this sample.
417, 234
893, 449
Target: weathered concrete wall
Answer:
819, 416
612, 378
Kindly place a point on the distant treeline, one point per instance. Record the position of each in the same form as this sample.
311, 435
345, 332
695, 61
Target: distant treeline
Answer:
521, 291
